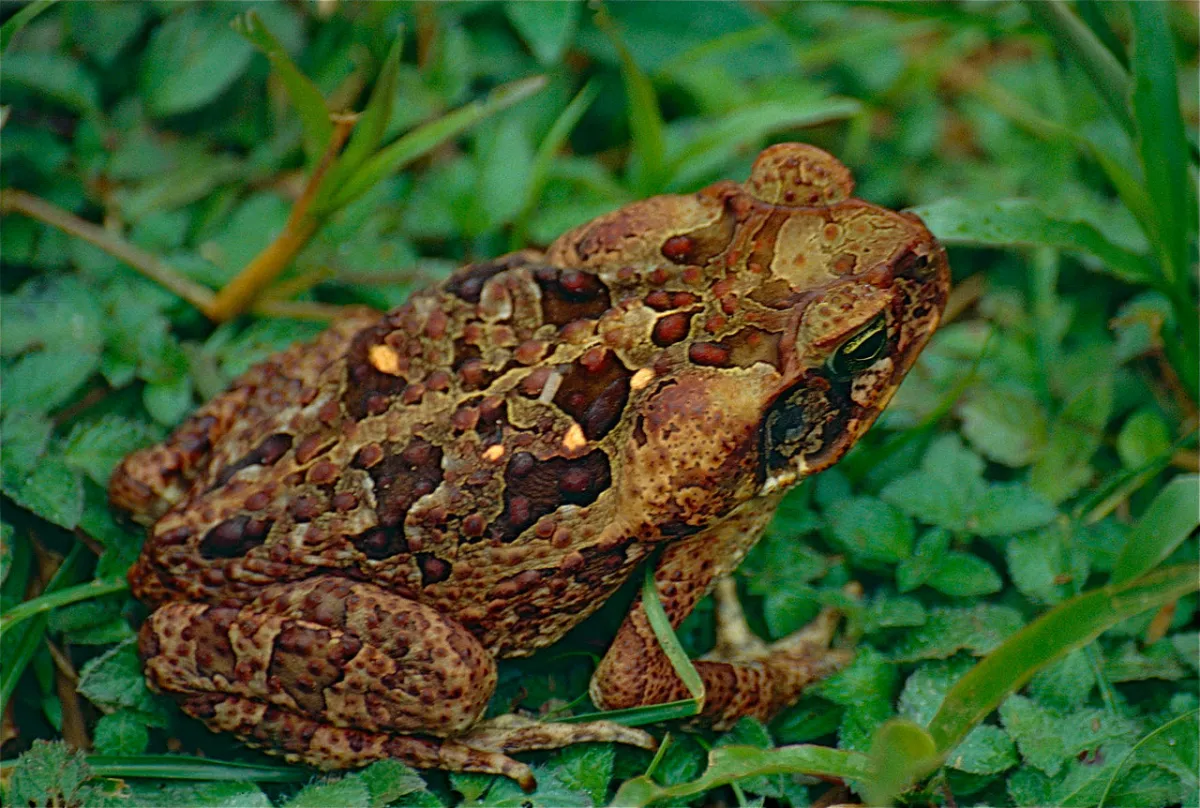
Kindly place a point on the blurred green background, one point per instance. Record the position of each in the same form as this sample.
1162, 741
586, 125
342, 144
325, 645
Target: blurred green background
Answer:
1043, 448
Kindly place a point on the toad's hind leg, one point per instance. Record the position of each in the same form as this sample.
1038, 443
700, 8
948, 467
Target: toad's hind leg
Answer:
337, 674
149, 481
742, 676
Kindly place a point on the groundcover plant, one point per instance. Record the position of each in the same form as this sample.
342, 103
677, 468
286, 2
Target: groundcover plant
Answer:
1021, 521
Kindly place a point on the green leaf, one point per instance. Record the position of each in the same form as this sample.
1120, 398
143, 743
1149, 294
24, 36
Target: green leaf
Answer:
43, 381
423, 139
23, 438
1010, 508
95, 447
1007, 426
925, 560
504, 155
1172, 747
347, 790
547, 28
63, 300
1025, 223
978, 629
963, 575
986, 750
1048, 742
871, 529
1143, 438
192, 57
114, 680
1039, 566
121, 733
1171, 518
865, 687
57, 77
48, 774
728, 764
1065, 464
1069, 625
586, 768
501, 792
1064, 685
52, 490
304, 95
945, 490
186, 767
1074, 39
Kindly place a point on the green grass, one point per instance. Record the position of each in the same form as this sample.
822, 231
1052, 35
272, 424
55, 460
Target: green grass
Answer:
1022, 519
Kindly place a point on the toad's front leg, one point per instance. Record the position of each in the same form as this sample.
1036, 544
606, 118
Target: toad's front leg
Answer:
336, 674
742, 676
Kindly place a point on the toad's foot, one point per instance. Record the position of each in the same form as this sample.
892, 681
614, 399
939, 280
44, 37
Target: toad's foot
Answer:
484, 749
743, 676
795, 662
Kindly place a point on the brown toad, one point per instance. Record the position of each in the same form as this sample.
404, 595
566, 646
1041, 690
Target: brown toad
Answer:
344, 542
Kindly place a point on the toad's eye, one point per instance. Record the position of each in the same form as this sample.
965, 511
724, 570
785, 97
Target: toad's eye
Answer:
859, 351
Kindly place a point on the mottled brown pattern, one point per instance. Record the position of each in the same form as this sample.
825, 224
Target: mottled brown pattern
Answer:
343, 543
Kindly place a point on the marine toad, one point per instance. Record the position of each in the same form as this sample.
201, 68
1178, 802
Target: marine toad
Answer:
343, 543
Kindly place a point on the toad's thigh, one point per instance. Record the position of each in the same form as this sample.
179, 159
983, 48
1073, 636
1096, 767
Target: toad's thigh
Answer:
347, 654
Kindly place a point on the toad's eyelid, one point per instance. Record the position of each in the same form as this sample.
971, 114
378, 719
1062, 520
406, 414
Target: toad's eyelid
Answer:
872, 328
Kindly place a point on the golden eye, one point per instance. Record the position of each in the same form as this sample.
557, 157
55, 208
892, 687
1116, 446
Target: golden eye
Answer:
860, 350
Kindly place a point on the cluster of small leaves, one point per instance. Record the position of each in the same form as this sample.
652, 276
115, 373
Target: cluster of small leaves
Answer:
1027, 459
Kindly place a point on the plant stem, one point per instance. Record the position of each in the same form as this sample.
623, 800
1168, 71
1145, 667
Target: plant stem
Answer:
60, 597
240, 293
14, 201
26, 204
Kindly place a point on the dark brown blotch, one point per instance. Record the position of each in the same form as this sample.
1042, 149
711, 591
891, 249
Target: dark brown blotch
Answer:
403, 476
266, 453
535, 488
234, 537
594, 391
569, 295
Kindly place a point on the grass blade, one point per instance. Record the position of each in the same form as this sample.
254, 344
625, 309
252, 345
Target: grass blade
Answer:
1074, 38
19, 20
1024, 223
186, 767
1161, 141
21, 651
638, 716
425, 138
1170, 518
1070, 625
304, 95
562, 127
55, 598
1163, 147
728, 764
645, 118
372, 124
669, 642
